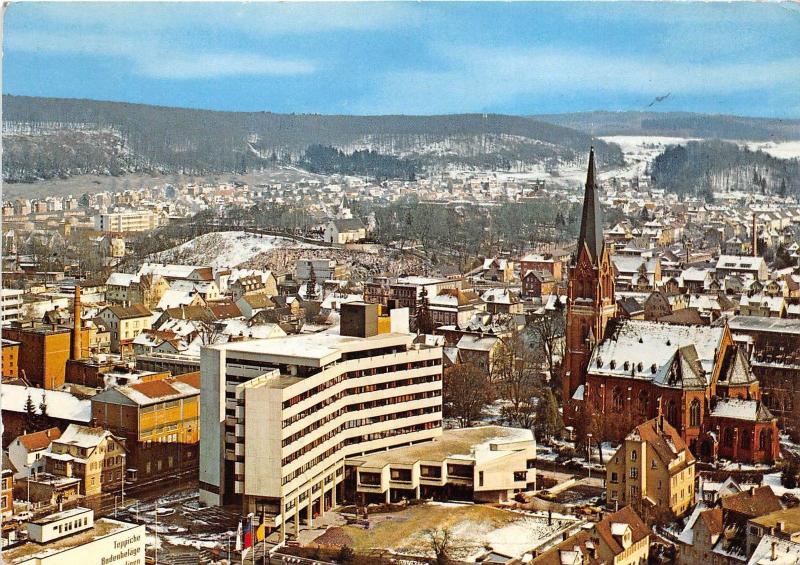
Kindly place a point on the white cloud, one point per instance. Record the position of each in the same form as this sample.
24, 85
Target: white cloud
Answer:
219, 65
149, 56
254, 18
472, 78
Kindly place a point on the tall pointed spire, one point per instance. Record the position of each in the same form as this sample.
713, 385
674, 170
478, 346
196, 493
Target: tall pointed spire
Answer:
591, 233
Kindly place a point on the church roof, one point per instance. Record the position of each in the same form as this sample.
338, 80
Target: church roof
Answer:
736, 369
684, 370
591, 233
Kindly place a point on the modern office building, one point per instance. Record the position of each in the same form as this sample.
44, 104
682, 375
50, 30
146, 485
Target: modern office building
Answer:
122, 222
485, 464
10, 305
280, 416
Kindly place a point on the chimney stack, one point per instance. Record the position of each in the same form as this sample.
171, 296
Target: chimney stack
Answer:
76, 326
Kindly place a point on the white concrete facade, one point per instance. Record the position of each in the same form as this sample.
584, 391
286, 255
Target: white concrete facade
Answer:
297, 406
121, 222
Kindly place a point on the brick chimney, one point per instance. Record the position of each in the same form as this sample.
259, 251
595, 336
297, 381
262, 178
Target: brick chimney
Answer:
76, 326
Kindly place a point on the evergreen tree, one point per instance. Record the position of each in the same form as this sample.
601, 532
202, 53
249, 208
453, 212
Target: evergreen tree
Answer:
44, 417
30, 415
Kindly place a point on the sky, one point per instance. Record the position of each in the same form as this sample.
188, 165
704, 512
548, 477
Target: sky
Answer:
411, 58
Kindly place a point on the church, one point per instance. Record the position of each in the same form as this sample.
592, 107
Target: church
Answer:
619, 373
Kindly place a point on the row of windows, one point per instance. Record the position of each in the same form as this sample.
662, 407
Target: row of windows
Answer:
358, 390
322, 439
764, 439
68, 527
351, 407
359, 439
618, 399
358, 374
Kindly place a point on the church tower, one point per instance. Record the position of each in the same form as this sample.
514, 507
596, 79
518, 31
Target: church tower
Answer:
590, 294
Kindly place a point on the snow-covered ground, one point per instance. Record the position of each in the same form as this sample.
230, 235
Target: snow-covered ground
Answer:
226, 249
779, 149
639, 151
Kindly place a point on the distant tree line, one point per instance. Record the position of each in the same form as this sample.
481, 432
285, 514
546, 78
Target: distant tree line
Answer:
329, 160
702, 167
61, 137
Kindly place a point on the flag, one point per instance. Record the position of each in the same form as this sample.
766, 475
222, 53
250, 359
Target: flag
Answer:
261, 532
239, 537
248, 533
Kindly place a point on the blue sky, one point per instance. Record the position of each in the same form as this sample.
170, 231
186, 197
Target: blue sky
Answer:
411, 58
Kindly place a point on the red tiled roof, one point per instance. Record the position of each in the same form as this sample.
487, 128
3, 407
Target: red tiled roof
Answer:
154, 389
191, 379
39, 440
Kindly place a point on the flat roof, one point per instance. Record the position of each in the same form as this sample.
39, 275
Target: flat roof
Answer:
460, 443
49, 519
317, 346
102, 527
763, 324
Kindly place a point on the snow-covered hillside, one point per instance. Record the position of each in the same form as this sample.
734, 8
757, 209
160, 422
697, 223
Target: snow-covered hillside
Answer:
226, 249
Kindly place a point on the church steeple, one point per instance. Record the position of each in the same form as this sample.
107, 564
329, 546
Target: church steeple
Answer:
591, 234
590, 297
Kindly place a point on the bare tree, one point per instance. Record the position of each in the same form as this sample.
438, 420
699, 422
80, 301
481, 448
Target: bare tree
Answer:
209, 332
549, 331
518, 377
466, 393
442, 543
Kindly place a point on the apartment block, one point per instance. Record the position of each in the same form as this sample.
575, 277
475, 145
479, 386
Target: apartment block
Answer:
10, 305
121, 222
291, 409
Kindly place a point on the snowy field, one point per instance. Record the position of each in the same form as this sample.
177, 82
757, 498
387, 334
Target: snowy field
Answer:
779, 149
226, 249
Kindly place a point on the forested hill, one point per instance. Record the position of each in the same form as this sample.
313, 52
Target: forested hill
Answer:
703, 167
48, 137
678, 124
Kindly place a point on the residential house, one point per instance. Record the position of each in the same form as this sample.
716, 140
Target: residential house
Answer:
26, 451
94, 455
7, 488
653, 470
621, 538
159, 420
125, 323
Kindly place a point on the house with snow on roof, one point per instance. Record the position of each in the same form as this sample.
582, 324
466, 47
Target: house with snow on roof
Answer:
159, 421
94, 455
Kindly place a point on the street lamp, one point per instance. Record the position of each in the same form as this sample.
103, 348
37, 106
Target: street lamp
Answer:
589, 453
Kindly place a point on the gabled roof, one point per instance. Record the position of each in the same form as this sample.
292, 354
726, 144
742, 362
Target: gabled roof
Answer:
684, 370
663, 438
627, 516
129, 312
348, 224
38, 441
751, 503
736, 368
